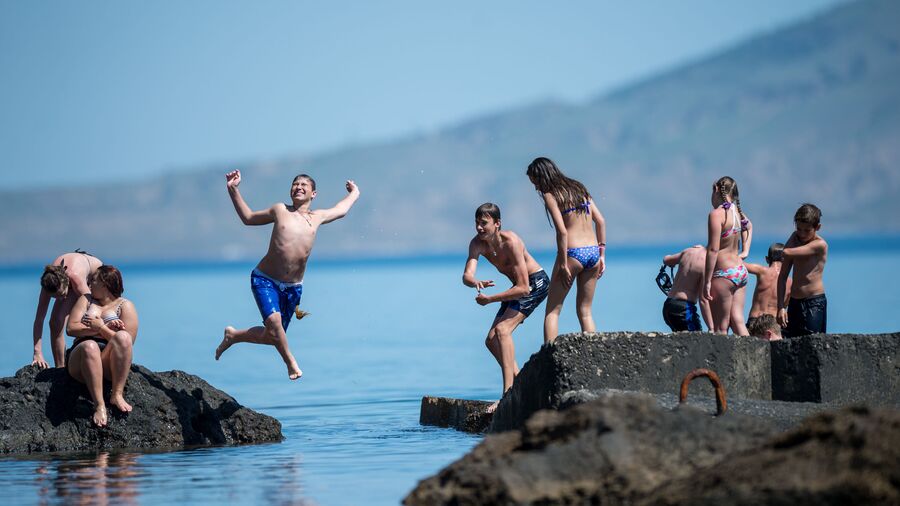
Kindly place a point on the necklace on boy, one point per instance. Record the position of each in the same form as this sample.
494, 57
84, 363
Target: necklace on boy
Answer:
306, 217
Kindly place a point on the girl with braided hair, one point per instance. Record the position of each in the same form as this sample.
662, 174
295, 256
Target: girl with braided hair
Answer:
580, 242
725, 276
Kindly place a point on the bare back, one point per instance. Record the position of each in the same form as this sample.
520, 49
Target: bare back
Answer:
765, 296
580, 228
293, 235
78, 267
689, 278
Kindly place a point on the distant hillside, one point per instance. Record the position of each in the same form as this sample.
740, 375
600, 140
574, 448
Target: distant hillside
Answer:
807, 113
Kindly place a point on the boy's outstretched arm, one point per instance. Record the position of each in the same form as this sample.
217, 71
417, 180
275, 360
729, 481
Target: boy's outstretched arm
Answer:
521, 287
343, 207
247, 215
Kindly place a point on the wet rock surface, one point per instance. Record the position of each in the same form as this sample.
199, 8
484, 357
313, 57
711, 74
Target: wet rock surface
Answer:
48, 411
611, 450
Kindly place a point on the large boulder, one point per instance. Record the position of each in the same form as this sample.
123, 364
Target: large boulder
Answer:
850, 456
48, 411
611, 450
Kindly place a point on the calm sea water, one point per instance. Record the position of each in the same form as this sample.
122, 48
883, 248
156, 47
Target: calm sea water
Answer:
381, 335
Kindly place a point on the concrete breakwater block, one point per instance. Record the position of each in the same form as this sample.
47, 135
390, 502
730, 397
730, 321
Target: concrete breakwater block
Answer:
634, 361
838, 369
460, 414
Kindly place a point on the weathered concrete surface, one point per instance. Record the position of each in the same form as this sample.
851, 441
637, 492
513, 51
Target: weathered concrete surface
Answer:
850, 456
781, 415
838, 369
644, 362
460, 414
611, 450
47, 411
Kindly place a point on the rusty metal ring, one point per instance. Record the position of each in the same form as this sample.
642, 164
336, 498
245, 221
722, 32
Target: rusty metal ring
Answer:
721, 404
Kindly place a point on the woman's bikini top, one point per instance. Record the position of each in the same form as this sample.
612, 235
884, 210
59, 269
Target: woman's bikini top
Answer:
586, 205
734, 221
107, 316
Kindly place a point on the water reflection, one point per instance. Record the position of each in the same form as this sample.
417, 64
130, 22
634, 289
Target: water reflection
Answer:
105, 478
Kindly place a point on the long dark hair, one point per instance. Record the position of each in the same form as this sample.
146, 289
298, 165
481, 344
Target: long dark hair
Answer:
568, 192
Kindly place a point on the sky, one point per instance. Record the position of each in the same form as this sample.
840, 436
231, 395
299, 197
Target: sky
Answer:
121, 90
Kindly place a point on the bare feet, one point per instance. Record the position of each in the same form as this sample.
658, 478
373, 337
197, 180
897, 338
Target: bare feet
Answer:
118, 402
492, 407
100, 416
226, 342
294, 371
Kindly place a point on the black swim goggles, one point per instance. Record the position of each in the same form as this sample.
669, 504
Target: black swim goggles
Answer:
663, 280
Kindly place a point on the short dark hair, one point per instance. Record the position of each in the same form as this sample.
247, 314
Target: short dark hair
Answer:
761, 324
111, 278
306, 176
54, 279
776, 253
808, 214
488, 209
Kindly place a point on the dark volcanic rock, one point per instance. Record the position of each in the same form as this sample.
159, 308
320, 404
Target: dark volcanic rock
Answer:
47, 411
851, 456
461, 414
608, 451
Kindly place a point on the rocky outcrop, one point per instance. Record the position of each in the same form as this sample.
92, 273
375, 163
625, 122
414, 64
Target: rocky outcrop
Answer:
850, 456
460, 414
624, 449
47, 411
611, 450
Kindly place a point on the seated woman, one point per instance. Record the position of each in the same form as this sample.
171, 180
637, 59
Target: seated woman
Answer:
104, 325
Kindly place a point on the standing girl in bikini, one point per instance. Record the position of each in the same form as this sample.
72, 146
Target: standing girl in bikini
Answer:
725, 275
580, 242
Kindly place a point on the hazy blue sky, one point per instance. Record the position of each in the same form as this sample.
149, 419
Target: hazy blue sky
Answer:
122, 89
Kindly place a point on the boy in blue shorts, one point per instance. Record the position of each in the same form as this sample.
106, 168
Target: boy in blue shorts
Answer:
277, 280
505, 251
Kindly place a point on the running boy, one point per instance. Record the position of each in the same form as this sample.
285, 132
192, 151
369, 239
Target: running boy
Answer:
765, 296
277, 280
505, 251
680, 309
805, 252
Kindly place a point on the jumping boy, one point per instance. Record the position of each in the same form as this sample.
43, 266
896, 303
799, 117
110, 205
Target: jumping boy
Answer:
505, 251
765, 296
680, 308
805, 252
277, 280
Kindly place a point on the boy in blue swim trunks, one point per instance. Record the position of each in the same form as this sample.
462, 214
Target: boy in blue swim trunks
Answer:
680, 308
505, 251
277, 280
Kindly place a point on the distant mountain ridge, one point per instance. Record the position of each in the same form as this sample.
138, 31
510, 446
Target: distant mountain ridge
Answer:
810, 112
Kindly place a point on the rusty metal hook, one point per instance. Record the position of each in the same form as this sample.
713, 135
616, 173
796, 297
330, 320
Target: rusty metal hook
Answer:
721, 404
